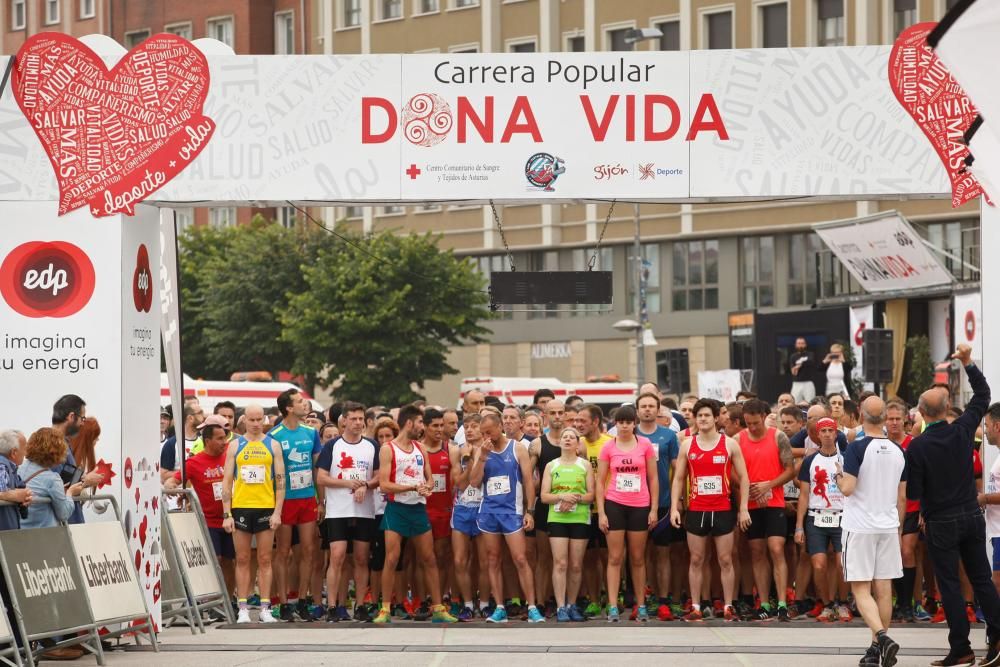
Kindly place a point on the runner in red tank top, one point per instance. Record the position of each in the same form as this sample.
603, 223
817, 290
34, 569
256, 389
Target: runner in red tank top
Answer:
704, 466
909, 542
441, 501
770, 464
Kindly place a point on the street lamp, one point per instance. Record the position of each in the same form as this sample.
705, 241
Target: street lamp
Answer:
632, 326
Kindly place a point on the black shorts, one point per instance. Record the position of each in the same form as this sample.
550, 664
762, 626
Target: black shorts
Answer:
663, 533
222, 543
376, 557
349, 529
911, 523
716, 524
252, 521
767, 522
598, 540
574, 531
541, 515
624, 517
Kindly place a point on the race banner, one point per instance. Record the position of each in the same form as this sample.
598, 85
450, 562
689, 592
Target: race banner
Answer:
939, 328
197, 557
720, 385
883, 253
861, 319
109, 574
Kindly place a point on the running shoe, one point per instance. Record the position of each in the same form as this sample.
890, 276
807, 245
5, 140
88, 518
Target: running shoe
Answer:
843, 613
952, 660
828, 615
410, 606
729, 615
466, 615
592, 609
550, 608
887, 651
285, 613
980, 617
871, 658
363, 614
499, 615
939, 616
707, 610
455, 609
718, 608
816, 610
760, 614
643, 616
693, 616
439, 614
562, 615
515, 610
399, 611
664, 613
275, 612
613, 615
783, 615
253, 600
331, 615
574, 614
906, 615
485, 613
992, 657
342, 614
422, 613
266, 616
535, 616
317, 611
920, 614
243, 616
634, 614
383, 618
970, 612
302, 611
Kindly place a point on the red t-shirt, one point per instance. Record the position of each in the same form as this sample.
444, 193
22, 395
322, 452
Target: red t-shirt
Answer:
442, 499
763, 462
205, 474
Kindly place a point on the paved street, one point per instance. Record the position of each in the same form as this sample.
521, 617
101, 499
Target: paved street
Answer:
801, 644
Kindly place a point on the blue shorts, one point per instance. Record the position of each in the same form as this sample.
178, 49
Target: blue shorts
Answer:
222, 543
500, 524
463, 519
996, 553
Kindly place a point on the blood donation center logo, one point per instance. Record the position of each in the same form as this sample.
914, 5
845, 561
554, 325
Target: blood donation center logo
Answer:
142, 281
542, 170
426, 119
47, 279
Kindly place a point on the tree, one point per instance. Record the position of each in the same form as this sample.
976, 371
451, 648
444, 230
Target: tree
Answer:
380, 313
199, 247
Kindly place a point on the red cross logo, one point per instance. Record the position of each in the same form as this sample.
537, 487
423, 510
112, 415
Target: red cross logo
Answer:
412, 172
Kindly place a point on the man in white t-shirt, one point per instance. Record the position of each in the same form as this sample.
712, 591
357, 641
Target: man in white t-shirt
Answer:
990, 498
473, 401
873, 481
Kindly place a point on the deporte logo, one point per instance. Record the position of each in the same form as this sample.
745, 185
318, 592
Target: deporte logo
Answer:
47, 279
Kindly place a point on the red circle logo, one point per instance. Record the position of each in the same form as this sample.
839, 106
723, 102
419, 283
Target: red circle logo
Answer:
142, 281
970, 326
859, 335
47, 279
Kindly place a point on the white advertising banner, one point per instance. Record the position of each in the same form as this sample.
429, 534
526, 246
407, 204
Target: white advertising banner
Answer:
197, 557
969, 322
861, 319
939, 327
720, 385
108, 571
553, 126
883, 253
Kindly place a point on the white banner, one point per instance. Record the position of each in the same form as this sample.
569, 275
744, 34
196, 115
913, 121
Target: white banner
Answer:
939, 327
969, 322
553, 126
720, 385
109, 574
883, 253
861, 318
197, 557
169, 304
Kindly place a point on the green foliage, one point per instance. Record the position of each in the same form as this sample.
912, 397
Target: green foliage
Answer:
382, 324
921, 371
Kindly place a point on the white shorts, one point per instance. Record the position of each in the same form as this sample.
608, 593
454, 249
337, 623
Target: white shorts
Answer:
871, 556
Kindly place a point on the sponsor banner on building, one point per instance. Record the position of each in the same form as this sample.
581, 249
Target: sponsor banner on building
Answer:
538, 127
45, 579
109, 573
861, 319
883, 253
969, 322
720, 385
197, 557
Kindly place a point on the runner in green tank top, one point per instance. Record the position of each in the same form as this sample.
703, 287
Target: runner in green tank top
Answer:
568, 490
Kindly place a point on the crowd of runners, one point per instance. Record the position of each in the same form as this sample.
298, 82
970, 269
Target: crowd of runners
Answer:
741, 511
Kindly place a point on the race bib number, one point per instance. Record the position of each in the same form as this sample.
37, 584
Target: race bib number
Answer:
440, 484
472, 494
253, 474
826, 519
217, 490
498, 486
355, 475
628, 483
301, 479
710, 486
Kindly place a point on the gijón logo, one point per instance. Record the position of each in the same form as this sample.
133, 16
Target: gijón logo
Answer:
47, 279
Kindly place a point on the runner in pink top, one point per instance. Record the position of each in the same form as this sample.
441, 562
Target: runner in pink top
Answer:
627, 472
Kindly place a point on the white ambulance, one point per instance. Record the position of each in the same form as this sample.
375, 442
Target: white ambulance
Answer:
242, 394
521, 391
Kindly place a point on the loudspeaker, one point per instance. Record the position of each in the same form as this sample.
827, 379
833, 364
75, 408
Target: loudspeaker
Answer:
877, 355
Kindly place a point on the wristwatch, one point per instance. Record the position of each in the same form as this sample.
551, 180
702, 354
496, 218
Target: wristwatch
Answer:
227, 515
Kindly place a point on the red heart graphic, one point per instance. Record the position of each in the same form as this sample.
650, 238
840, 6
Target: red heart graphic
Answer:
142, 281
927, 91
149, 568
113, 137
138, 559
143, 525
137, 496
128, 473
156, 504
156, 591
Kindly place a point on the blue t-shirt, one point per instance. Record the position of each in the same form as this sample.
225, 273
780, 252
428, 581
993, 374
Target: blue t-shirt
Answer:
666, 447
300, 446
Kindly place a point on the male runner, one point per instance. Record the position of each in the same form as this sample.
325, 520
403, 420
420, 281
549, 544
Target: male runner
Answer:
463, 521
590, 425
706, 463
770, 465
541, 452
405, 478
300, 447
441, 500
347, 469
253, 493
513, 424
895, 430
791, 420
473, 401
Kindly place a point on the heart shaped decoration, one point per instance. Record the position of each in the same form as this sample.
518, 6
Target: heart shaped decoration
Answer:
936, 102
113, 137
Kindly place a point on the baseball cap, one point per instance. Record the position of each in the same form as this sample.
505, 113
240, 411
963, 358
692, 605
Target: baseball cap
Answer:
167, 411
217, 420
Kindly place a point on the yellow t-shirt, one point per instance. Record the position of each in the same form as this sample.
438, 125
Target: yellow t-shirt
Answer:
594, 448
254, 484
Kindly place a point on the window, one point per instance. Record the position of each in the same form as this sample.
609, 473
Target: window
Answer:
391, 9
616, 40
222, 30
184, 218
696, 275
284, 33
87, 9
133, 39
522, 47
757, 261
774, 26
580, 261
51, 12
465, 3
673, 374
180, 29
960, 240
719, 30
426, 208
392, 210
352, 13
17, 20
830, 27
353, 212
286, 217
671, 39
428, 6
577, 44
802, 258
651, 269
222, 217
904, 14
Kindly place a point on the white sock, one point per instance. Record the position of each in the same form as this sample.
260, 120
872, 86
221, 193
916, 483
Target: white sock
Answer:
696, 606
468, 605
483, 605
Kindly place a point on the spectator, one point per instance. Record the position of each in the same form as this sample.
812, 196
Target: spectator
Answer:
802, 366
68, 414
45, 451
12, 446
166, 423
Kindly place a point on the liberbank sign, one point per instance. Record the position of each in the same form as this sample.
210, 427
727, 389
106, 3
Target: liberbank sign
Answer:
657, 126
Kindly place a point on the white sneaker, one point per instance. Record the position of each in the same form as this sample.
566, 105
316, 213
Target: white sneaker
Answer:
243, 616
266, 617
